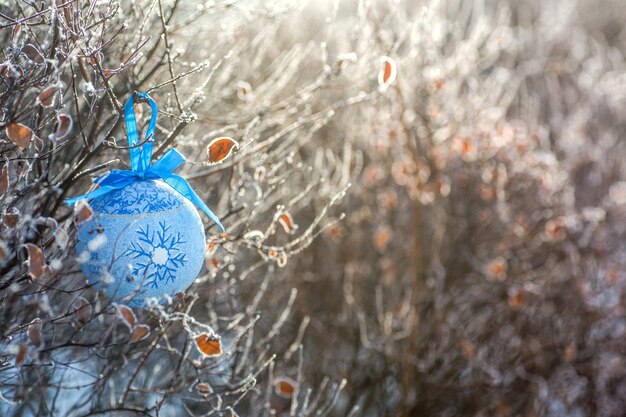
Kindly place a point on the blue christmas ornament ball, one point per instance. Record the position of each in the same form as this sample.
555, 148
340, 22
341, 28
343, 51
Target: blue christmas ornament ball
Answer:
144, 240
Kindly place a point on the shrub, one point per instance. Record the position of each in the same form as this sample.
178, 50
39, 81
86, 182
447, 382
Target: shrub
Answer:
425, 210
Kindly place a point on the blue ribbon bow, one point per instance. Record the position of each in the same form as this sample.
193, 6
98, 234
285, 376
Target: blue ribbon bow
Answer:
140, 157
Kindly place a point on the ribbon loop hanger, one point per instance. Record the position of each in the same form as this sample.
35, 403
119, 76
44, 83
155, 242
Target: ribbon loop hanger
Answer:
140, 159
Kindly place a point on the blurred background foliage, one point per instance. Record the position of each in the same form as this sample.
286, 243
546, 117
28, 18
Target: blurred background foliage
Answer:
445, 242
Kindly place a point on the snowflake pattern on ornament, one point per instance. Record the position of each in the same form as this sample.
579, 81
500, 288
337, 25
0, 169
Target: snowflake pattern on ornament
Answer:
139, 197
157, 255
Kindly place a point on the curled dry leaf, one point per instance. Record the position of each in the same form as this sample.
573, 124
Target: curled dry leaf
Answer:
96, 58
382, 236
284, 387
204, 388
20, 356
387, 73
36, 261
244, 90
82, 64
64, 125
208, 345
15, 33
127, 315
47, 96
38, 144
259, 173
286, 221
33, 53
82, 211
138, 108
468, 348
19, 134
517, 298
34, 332
47, 222
211, 246
220, 148
11, 218
4, 180
254, 236
83, 311
4, 251
281, 259
9, 70
496, 268
212, 264
141, 332
570, 353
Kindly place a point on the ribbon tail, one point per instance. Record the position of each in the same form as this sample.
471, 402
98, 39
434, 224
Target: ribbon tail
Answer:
179, 184
168, 162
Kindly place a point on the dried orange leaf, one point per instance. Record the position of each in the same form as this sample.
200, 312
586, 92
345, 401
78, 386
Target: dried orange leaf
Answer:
570, 352
468, 348
17, 29
32, 53
127, 315
517, 298
34, 332
64, 125
4, 251
281, 259
259, 173
11, 217
204, 388
47, 96
244, 90
211, 245
286, 221
209, 345
83, 311
20, 356
82, 211
387, 74
272, 253
11, 71
212, 264
36, 261
220, 148
19, 134
82, 64
285, 387
4, 180
496, 268
140, 333
382, 236
38, 144
96, 58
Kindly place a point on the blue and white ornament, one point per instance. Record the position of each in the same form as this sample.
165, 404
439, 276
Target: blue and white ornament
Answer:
145, 238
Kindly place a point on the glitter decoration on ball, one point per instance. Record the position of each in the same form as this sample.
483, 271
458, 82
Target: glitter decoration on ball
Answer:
145, 238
